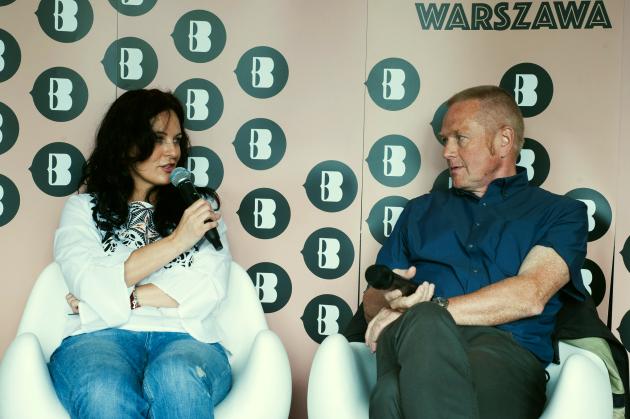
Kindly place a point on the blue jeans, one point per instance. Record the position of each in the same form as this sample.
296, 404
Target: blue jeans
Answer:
116, 373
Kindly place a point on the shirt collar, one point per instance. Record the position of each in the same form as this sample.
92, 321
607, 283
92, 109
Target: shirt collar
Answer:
501, 188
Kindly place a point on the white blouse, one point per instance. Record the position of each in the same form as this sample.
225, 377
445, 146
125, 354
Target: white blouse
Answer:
92, 263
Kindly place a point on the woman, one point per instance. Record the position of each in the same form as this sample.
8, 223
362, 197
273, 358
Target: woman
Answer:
143, 281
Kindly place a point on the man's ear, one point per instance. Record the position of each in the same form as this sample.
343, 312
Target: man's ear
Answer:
508, 138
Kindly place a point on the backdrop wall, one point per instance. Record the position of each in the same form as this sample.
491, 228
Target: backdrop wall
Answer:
316, 122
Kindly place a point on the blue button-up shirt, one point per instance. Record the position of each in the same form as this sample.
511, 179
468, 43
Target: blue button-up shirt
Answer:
462, 243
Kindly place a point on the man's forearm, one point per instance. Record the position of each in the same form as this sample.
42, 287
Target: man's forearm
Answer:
542, 274
503, 302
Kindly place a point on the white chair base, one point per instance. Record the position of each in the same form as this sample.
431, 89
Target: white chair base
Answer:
260, 367
343, 375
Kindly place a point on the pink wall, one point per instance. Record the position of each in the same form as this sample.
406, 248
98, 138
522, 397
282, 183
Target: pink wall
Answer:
326, 113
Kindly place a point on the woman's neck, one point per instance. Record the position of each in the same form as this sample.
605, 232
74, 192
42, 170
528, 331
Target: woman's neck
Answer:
149, 196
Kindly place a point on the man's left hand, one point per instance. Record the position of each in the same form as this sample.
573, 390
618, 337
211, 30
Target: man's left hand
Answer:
384, 318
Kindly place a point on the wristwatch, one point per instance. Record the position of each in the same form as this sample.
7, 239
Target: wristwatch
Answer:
441, 301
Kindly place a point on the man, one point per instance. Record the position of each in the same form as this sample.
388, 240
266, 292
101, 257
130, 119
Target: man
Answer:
495, 253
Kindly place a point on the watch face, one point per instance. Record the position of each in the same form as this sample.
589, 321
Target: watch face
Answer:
441, 301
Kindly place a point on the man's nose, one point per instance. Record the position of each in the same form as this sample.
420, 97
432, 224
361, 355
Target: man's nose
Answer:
449, 150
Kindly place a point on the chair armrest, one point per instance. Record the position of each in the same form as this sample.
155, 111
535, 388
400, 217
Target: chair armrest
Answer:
26, 389
341, 380
582, 390
262, 389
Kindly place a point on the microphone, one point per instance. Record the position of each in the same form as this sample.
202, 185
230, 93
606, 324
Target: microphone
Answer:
383, 278
180, 178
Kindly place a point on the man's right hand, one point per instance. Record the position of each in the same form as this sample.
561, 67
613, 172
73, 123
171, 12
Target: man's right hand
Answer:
383, 319
397, 305
408, 273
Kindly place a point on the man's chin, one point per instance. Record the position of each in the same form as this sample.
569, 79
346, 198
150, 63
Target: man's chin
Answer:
458, 184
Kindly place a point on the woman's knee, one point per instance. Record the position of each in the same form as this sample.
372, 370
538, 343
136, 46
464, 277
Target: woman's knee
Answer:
107, 394
90, 380
170, 374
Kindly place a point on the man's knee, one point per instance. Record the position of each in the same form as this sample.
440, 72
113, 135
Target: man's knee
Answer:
426, 315
419, 322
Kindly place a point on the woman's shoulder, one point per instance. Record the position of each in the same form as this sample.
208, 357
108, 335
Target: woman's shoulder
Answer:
77, 211
81, 199
79, 203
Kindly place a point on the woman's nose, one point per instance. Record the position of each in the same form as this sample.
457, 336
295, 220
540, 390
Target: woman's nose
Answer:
169, 148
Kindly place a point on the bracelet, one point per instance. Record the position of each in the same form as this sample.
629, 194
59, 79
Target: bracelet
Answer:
134, 303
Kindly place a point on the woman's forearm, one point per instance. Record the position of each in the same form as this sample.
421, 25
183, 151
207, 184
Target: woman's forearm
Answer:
148, 259
150, 295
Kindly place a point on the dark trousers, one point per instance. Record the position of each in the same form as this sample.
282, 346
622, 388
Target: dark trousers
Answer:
428, 367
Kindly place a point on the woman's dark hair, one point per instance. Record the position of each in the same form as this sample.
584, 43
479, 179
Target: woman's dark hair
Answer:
126, 137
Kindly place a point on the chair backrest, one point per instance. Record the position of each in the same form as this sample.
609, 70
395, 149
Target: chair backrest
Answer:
46, 312
565, 351
242, 316
46, 309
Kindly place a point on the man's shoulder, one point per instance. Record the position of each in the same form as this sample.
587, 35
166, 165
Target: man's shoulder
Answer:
426, 199
553, 199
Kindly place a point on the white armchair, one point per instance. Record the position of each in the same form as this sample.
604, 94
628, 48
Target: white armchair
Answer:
260, 366
343, 375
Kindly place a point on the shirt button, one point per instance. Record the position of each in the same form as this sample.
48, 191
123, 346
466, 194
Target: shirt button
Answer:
470, 246
475, 271
484, 204
477, 224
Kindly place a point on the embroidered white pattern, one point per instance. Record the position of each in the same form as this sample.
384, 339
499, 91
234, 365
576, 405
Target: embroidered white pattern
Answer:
138, 231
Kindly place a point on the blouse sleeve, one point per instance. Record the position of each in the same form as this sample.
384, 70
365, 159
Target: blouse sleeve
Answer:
200, 287
95, 277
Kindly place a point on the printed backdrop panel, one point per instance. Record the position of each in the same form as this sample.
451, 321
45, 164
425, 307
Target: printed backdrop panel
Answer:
273, 97
316, 122
42, 127
620, 323
438, 43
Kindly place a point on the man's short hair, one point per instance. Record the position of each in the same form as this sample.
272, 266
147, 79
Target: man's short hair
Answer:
497, 107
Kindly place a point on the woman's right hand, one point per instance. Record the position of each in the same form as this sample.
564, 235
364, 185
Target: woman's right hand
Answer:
196, 220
